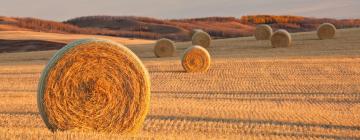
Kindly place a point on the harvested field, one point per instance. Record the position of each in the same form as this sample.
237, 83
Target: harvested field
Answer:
309, 90
63, 38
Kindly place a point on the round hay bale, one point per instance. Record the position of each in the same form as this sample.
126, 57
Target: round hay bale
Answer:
196, 59
281, 38
202, 39
326, 31
164, 48
94, 85
194, 31
263, 32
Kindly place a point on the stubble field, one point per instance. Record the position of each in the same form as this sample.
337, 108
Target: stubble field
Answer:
311, 90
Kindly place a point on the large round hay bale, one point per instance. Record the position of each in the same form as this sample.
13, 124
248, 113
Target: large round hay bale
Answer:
281, 38
194, 31
202, 39
263, 32
326, 31
196, 59
94, 85
164, 48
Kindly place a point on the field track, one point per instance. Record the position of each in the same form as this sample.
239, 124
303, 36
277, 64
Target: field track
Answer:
311, 90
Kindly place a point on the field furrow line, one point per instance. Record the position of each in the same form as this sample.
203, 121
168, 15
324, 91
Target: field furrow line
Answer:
236, 126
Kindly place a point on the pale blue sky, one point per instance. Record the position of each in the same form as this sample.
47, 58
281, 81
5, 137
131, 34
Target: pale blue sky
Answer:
168, 9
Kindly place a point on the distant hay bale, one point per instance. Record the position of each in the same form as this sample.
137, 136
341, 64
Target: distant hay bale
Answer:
196, 59
194, 31
263, 32
326, 31
164, 48
281, 38
202, 39
94, 85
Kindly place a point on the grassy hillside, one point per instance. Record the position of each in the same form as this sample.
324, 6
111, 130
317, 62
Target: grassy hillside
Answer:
178, 29
24, 41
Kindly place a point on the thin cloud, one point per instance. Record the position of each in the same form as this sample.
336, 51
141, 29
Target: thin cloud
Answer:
65, 9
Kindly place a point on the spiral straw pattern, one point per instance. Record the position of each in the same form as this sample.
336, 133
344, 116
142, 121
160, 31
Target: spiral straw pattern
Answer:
164, 48
94, 85
326, 31
196, 59
202, 39
281, 38
263, 32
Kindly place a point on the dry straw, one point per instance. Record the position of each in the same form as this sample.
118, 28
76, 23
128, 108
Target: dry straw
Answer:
202, 39
326, 31
281, 38
196, 59
164, 48
94, 85
263, 32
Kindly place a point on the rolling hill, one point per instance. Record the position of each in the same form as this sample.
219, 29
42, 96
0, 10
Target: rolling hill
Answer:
176, 29
25, 41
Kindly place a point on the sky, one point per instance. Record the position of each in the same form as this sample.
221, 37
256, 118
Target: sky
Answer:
61, 10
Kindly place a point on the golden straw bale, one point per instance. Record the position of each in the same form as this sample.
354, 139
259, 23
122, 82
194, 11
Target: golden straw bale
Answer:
202, 39
281, 38
196, 59
263, 32
94, 85
194, 31
326, 31
164, 48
